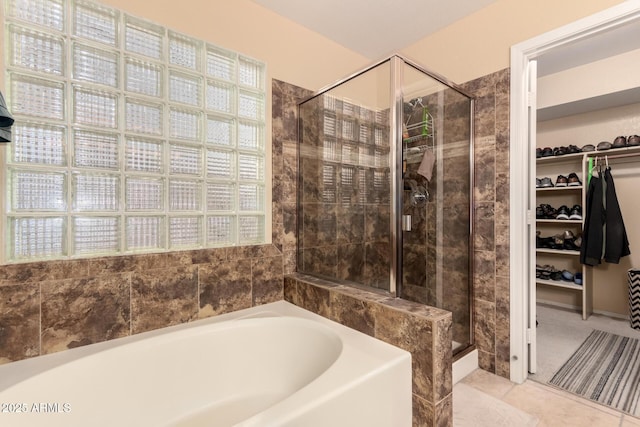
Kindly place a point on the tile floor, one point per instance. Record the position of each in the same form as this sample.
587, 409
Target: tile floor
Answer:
483, 399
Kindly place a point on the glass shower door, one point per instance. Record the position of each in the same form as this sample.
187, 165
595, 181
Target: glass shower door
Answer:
436, 150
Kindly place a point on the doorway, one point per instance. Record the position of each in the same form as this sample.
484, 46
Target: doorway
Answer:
581, 42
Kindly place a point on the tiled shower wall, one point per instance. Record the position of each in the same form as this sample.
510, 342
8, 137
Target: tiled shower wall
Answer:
344, 197
491, 222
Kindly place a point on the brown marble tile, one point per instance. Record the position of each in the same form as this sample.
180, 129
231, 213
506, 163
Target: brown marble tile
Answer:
292, 291
414, 334
116, 264
444, 412
163, 297
78, 312
484, 222
350, 224
487, 361
209, 256
224, 287
267, 281
45, 270
442, 359
289, 260
484, 275
351, 312
423, 413
377, 264
19, 321
484, 171
485, 327
315, 299
485, 115
376, 223
321, 261
351, 262
503, 322
251, 252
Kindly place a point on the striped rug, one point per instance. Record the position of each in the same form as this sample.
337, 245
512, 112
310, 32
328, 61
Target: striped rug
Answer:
605, 369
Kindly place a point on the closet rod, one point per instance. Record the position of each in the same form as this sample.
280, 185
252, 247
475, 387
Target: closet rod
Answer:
613, 156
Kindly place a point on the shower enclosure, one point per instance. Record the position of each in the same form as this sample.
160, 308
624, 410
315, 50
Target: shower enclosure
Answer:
385, 187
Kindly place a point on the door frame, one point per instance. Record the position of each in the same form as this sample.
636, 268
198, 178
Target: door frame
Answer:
521, 148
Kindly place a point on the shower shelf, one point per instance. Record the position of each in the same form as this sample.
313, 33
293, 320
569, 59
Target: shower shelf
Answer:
415, 154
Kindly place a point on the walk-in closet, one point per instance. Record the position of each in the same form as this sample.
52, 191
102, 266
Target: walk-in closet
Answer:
587, 127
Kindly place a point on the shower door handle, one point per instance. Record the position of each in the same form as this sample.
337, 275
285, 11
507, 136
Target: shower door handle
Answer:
406, 222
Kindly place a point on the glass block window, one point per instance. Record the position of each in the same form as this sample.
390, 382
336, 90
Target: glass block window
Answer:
129, 137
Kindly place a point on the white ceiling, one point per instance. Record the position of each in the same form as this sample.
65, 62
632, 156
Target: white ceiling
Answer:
374, 28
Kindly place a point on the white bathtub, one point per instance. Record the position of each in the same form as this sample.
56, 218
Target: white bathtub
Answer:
273, 365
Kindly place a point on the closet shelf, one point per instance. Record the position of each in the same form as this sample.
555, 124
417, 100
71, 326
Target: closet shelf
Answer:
561, 159
559, 284
573, 188
557, 251
559, 221
569, 259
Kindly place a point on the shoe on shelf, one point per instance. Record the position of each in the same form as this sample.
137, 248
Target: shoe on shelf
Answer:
538, 153
547, 152
633, 140
561, 181
562, 212
619, 142
570, 241
547, 272
576, 212
577, 278
555, 275
572, 149
538, 183
560, 151
588, 147
546, 182
546, 211
573, 180
567, 276
604, 145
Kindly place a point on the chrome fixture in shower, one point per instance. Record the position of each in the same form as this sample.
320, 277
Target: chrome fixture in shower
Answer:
418, 196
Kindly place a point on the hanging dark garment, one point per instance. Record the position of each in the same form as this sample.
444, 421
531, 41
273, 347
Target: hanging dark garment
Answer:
616, 241
595, 216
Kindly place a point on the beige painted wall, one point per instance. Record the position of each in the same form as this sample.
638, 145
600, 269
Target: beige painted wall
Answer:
616, 74
292, 53
609, 280
479, 44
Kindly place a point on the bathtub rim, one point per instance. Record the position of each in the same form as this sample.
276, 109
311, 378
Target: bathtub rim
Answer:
13, 373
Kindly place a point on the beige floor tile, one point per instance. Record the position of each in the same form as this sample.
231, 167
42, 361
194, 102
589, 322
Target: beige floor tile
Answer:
553, 409
473, 408
629, 421
575, 398
488, 383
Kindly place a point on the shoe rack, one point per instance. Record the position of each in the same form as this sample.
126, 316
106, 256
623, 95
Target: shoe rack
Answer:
563, 259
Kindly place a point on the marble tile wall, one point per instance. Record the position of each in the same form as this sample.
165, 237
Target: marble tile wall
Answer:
491, 220
47, 307
422, 330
